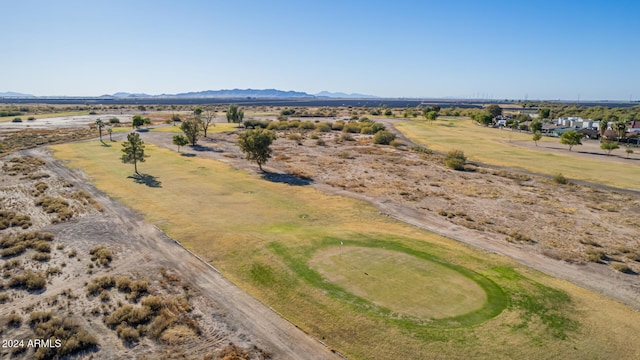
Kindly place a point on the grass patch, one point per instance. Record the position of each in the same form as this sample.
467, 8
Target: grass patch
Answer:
492, 146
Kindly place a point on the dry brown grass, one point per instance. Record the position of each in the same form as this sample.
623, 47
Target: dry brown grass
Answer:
101, 255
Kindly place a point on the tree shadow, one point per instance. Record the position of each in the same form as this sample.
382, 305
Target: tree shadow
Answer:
187, 155
286, 179
105, 144
204, 148
146, 179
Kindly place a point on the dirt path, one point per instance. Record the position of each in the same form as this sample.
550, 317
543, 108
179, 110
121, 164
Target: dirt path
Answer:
247, 316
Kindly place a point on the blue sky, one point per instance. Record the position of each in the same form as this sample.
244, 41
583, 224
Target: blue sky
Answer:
467, 49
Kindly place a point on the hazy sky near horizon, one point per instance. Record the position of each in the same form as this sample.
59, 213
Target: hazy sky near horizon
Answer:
459, 48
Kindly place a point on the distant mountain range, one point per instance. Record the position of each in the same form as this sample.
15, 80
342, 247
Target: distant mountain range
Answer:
246, 93
234, 93
15, 94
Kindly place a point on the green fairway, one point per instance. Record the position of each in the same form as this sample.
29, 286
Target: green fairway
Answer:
278, 242
492, 146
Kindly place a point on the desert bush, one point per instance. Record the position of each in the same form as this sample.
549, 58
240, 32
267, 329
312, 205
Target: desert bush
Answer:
320, 142
4, 298
123, 284
367, 130
41, 256
127, 333
351, 127
41, 187
12, 264
595, 255
283, 125
13, 251
72, 253
104, 296
395, 143
178, 334
273, 125
17, 120
515, 236
39, 317
254, 123
98, 284
314, 136
138, 288
383, 137
153, 302
114, 120
129, 314
455, 160
29, 280
74, 338
623, 268
14, 320
421, 149
560, 179
338, 125
101, 255
160, 323
42, 246
11, 219
307, 125
295, 137
59, 206
323, 127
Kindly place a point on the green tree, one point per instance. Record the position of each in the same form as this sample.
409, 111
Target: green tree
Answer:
180, 140
483, 118
493, 110
603, 128
571, 138
536, 137
388, 112
197, 112
621, 128
523, 117
133, 150
256, 144
544, 113
609, 146
629, 152
536, 125
137, 121
191, 129
234, 114
175, 118
430, 115
100, 124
